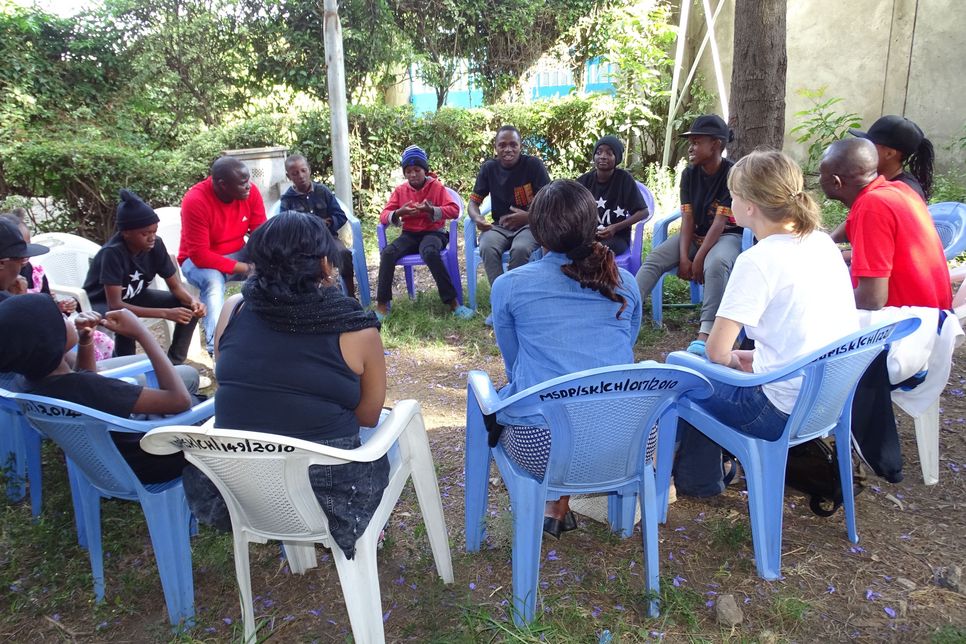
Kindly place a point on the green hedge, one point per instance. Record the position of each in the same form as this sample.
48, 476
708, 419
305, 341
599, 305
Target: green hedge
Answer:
83, 168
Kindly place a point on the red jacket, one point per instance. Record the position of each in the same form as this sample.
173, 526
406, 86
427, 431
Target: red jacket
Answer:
435, 192
211, 228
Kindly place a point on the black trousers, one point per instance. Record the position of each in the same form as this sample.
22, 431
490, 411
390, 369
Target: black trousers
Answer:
874, 421
428, 244
154, 299
346, 270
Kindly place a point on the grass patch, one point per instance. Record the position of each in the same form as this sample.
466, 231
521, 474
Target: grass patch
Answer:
790, 610
948, 634
729, 534
679, 604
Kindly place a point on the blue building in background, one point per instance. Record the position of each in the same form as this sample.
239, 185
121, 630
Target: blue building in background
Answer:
546, 80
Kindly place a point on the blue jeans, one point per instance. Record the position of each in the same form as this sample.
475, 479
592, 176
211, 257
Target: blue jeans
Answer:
211, 283
697, 466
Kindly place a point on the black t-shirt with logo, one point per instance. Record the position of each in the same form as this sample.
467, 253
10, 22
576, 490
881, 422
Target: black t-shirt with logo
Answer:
114, 265
516, 186
708, 197
617, 199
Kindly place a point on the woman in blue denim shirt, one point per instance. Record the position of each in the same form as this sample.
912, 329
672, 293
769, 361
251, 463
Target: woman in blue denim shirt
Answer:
574, 309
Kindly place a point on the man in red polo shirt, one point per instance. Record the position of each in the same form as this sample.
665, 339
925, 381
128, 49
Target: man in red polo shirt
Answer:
216, 216
897, 260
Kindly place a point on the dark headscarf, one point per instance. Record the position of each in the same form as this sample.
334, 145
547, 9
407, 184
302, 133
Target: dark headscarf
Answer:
324, 311
614, 144
32, 335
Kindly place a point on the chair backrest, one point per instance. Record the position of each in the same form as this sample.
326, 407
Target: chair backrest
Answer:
455, 196
84, 435
648, 199
949, 217
603, 421
69, 258
169, 228
831, 375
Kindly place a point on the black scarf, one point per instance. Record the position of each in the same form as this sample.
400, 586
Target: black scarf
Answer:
324, 311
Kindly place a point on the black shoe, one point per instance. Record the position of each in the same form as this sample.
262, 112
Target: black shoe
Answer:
569, 522
553, 527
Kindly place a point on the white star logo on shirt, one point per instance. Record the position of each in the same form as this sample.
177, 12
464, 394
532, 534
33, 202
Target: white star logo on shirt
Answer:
620, 212
600, 202
136, 275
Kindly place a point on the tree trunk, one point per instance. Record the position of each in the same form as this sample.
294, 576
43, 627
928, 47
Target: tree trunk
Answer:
757, 103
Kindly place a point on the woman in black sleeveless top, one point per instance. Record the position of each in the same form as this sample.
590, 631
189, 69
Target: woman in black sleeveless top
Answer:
296, 357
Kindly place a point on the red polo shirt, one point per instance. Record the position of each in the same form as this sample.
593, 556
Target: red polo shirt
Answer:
893, 236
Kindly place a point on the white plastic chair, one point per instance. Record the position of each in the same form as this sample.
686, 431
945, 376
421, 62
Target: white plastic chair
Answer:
265, 483
66, 264
169, 230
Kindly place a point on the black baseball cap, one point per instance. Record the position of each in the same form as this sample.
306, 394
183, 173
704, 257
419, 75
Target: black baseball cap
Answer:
12, 244
896, 132
710, 125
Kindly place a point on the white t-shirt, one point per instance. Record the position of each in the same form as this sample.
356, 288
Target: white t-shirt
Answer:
794, 296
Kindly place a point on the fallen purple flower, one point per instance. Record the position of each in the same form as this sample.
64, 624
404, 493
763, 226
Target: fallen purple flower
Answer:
552, 556
595, 613
385, 616
227, 620
830, 589
472, 586
677, 581
871, 595
890, 612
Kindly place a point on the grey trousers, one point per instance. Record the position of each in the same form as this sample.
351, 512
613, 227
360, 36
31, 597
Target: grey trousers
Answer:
717, 269
496, 240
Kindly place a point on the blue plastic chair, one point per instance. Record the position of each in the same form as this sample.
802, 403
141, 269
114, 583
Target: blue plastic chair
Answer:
824, 406
629, 259
603, 430
450, 254
660, 235
358, 251
97, 471
949, 217
19, 451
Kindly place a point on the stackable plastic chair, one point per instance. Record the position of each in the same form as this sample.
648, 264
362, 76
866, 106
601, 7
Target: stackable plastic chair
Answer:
354, 244
949, 217
450, 254
824, 407
265, 483
98, 471
66, 264
602, 423
630, 259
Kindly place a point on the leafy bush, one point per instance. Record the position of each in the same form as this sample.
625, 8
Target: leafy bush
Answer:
821, 125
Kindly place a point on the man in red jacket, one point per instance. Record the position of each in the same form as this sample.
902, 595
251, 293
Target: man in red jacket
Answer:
421, 206
216, 216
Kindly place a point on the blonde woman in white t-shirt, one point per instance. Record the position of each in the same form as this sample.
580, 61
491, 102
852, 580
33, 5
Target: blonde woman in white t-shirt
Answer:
791, 293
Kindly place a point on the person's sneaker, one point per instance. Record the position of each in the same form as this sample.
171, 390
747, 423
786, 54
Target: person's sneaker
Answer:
380, 316
489, 320
463, 312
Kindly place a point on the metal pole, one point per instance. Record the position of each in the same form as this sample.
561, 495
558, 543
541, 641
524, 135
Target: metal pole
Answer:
338, 119
719, 77
678, 59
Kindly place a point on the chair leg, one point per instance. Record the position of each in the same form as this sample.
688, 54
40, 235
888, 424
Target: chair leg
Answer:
453, 266
169, 522
32, 442
927, 440
472, 267
477, 474
90, 509
244, 579
77, 498
764, 469
359, 578
410, 284
652, 579
843, 449
300, 556
667, 435
697, 293
657, 302
621, 512
430, 503
527, 498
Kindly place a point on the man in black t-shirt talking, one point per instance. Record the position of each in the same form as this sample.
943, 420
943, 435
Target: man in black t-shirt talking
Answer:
511, 180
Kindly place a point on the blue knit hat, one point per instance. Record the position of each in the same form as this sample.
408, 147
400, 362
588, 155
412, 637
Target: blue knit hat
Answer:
414, 155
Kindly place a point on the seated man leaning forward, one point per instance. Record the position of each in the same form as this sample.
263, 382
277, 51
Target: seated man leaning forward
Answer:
124, 267
216, 215
421, 205
511, 180
710, 240
897, 260
305, 195
620, 203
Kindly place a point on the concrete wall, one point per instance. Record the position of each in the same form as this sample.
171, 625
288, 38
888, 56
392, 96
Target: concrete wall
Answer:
881, 56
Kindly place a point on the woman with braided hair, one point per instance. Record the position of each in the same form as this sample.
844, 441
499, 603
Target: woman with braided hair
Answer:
905, 154
573, 309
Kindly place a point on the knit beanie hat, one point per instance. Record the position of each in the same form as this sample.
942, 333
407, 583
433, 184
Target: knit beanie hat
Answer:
33, 338
414, 155
614, 144
133, 213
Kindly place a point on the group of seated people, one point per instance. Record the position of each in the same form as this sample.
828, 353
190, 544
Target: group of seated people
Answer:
296, 354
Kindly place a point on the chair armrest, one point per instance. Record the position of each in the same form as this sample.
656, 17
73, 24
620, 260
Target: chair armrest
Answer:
661, 227
128, 370
454, 234
469, 233
75, 292
482, 387
381, 235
